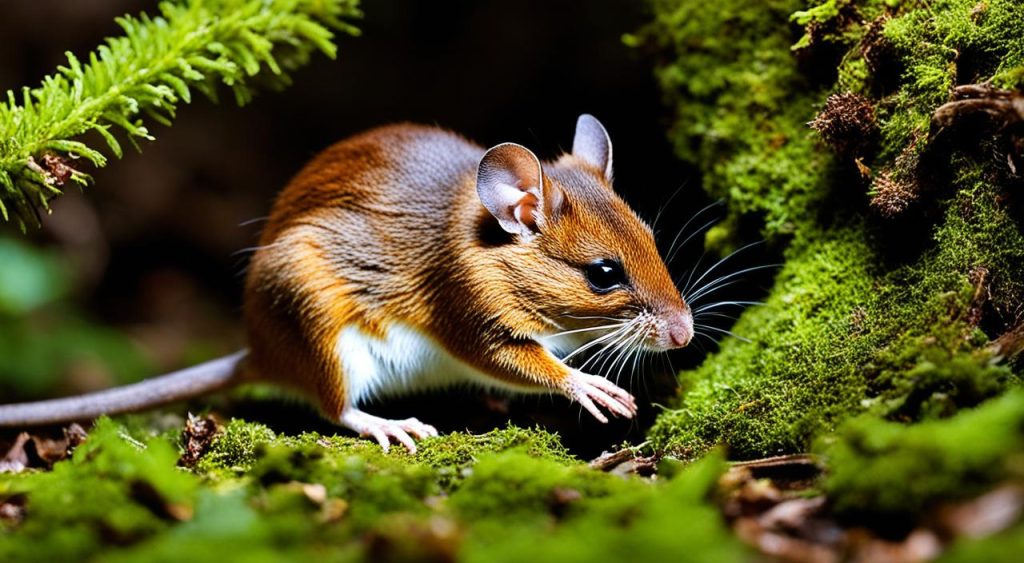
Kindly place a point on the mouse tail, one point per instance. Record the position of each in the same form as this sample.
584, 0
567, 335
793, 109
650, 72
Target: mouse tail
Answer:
172, 387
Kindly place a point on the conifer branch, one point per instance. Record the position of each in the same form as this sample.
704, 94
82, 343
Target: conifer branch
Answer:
193, 45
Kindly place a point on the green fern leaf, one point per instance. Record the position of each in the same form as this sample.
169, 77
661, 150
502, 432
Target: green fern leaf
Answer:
150, 69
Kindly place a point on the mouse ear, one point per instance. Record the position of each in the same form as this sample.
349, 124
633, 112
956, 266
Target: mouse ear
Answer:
593, 144
510, 184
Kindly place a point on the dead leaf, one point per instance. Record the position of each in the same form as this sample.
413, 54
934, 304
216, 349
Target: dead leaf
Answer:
625, 462
920, 545
791, 515
562, 498
12, 510
609, 460
197, 437
986, 515
30, 451
781, 545
16, 459
333, 510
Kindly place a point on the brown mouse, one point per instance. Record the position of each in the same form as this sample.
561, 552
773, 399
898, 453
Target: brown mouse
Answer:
408, 258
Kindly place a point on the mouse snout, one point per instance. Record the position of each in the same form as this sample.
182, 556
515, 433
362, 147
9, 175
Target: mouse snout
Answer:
678, 329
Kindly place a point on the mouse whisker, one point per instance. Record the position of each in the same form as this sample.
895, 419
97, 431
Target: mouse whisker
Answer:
709, 289
605, 346
609, 354
671, 257
253, 221
732, 334
719, 263
587, 329
671, 248
636, 366
714, 314
639, 363
717, 283
595, 342
665, 205
689, 274
666, 359
641, 351
253, 249
612, 344
623, 319
718, 304
631, 350
705, 335
621, 353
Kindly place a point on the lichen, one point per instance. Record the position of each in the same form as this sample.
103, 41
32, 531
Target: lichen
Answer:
884, 309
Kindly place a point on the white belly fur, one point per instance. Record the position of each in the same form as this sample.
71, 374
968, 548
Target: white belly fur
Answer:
404, 361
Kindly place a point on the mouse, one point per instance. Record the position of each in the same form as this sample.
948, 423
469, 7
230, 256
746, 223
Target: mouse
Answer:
408, 258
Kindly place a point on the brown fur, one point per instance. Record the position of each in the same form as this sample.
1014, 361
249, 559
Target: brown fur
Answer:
387, 226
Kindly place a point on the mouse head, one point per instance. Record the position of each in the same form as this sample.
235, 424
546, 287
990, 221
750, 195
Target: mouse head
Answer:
580, 258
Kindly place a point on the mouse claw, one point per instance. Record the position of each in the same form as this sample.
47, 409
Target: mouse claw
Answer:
592, 390
384, 431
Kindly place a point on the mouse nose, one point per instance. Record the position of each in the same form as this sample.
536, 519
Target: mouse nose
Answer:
680, 329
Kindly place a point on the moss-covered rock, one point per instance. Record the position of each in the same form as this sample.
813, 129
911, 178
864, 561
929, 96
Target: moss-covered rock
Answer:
886, 299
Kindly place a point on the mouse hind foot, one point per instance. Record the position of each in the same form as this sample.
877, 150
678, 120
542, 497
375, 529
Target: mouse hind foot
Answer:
384, 430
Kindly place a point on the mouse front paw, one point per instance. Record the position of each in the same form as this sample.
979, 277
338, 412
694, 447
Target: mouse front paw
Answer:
384, 430
592, 390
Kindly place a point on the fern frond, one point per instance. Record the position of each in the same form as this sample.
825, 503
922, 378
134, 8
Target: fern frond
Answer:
192, 45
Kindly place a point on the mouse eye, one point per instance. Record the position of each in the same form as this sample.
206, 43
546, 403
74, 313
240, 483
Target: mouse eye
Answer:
605, 275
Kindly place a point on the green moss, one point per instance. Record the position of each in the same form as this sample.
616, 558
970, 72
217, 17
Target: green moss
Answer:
515, 487
516, 493
453, 453
740, 103
528, 508
113, 490
880, 468
837, 336
749, 394
1004, 547
867, 314
234, 449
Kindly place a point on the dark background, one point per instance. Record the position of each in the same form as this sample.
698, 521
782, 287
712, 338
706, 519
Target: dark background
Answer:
158, 242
